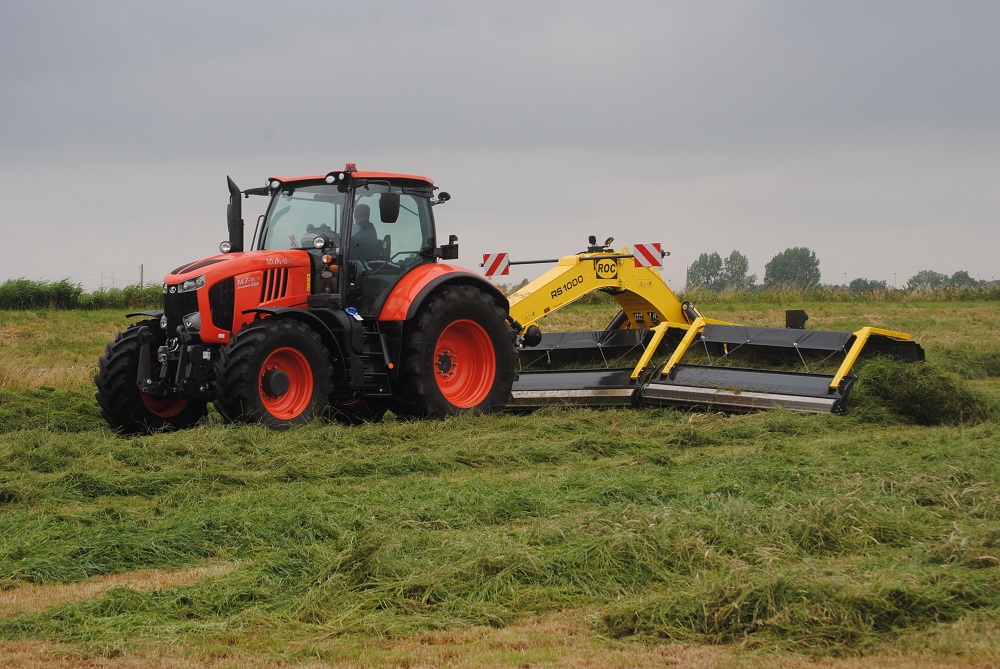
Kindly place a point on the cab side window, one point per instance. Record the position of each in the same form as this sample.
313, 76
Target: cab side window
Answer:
399, 245
402, 240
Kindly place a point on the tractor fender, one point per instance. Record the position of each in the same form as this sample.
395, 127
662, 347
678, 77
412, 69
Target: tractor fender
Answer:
153, 313
323, 321
412, 290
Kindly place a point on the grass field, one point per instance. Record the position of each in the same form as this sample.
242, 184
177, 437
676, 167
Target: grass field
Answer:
563, 538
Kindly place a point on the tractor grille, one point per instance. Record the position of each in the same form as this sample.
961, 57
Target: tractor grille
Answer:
176, 306
275, 285
221, 303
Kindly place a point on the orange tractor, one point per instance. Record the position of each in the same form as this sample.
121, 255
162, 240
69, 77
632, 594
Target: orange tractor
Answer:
340, 309
343, 309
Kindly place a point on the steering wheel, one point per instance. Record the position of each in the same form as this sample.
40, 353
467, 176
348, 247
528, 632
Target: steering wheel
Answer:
379, 266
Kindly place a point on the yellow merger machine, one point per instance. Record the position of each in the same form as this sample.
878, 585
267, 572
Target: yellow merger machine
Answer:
658, 351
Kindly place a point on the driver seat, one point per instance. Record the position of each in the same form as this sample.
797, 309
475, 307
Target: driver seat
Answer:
386, 254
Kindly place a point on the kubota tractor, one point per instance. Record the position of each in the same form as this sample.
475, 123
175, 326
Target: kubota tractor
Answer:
341, 307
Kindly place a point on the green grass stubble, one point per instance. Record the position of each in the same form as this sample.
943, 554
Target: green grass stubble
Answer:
774, 529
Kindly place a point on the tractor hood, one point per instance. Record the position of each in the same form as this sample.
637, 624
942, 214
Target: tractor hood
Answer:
231, 264
227, 289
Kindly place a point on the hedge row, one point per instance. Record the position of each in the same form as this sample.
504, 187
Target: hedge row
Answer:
786, 295
25, 294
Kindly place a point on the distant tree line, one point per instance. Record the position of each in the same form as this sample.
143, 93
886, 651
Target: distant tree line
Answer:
794, 267
798, 267
930, 279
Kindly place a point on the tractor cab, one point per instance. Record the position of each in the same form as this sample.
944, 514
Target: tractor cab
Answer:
363, 231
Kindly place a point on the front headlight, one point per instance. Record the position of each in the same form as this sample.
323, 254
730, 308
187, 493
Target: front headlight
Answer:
187, 285
192, 322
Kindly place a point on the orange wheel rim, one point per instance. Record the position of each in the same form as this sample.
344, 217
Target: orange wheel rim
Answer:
164, 407
465, 365
285, 404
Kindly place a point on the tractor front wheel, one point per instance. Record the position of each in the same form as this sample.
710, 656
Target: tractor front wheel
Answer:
458, 356
124, 407
275, 372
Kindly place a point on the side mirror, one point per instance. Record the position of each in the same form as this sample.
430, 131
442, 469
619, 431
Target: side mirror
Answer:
449, 251
388, 207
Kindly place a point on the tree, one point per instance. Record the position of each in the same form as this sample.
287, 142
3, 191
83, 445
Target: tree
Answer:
961, 279
795, 267
706, 271
734, 272
927, 279
866, 285
712, 272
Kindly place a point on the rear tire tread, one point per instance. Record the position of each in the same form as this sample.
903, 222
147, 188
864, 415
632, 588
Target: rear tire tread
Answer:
418, 394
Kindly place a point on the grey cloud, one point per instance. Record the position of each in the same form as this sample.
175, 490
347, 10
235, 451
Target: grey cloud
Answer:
747, 124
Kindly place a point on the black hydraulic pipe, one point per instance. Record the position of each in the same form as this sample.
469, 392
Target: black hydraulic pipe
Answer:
234, 217
532, 262
547, 260
690, 312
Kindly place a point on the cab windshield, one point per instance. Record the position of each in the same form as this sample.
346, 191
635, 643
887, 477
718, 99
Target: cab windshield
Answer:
297, 216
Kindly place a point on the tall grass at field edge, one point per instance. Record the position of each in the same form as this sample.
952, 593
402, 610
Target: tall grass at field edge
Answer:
23, 294
783, 295
19, 294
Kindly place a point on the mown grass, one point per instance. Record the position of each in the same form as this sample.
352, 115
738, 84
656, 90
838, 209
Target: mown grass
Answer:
874, 532
773, 530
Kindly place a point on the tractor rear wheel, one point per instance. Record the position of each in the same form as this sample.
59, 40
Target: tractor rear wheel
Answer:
124, 407
275, 372
458, 356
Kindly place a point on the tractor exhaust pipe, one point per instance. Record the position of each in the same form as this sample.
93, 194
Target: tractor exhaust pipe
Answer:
234, 217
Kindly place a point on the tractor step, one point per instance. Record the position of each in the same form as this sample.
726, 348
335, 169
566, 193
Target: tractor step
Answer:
375, 365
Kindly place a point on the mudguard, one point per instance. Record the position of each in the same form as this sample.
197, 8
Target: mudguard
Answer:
152, 313
327, 323
410, 291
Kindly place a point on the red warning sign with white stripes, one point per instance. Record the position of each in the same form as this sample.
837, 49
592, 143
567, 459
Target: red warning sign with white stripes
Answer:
648, 255
496, 263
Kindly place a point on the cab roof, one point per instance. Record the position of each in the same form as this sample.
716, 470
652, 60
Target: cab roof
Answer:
357, 174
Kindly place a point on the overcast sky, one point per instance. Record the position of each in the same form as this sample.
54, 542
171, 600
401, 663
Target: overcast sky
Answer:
868, 131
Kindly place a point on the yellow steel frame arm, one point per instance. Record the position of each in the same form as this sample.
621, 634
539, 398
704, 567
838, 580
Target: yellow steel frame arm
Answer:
860, 339
693, 331
641, 292
659, 331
